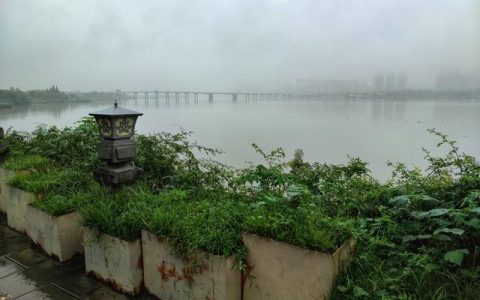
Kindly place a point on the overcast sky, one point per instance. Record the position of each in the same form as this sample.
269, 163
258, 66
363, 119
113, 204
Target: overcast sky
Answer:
222, 45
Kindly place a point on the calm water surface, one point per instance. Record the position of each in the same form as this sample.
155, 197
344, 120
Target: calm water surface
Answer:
326, 130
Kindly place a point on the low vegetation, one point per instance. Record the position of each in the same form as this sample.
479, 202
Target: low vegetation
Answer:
418, 234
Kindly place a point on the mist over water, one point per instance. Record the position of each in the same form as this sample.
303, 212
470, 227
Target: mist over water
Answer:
326, 130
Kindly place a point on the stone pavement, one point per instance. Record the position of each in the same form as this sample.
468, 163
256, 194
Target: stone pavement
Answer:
27, 274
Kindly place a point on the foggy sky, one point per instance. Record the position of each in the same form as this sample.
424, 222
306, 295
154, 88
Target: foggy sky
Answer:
232, 45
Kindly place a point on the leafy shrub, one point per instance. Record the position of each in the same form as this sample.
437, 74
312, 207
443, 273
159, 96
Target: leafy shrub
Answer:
423, 242
169, 160
67, 147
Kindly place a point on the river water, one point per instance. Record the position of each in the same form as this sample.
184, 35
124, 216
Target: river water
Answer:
328, 130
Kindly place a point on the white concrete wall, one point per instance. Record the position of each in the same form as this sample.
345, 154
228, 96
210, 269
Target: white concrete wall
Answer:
16, 207
59, 236
280, 271
114, 261
5, 175
200, 276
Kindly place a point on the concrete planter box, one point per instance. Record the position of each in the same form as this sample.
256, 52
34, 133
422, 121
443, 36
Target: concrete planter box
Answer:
201, 276
5, 175
16, 202
277, 270
114, 261
59, 236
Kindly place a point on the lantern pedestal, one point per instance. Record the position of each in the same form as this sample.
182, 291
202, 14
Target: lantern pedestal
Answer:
117, 151
117, 175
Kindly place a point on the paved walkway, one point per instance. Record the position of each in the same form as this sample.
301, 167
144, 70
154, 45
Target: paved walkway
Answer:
26, 273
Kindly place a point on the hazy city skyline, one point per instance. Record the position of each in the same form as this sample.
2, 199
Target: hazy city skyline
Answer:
105, 45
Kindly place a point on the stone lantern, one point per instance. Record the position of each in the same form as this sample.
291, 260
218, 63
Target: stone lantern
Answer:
117, 126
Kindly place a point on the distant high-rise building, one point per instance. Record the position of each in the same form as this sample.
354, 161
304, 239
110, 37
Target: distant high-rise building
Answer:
401, 82
390, 82
457, 81
333, 86
379, 82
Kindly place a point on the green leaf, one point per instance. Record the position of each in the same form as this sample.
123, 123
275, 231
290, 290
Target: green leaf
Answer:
400, 200
258, 204
437, 212
404, 200
359, 292
427, 200
409, 238
420, 214
442, 237
271, 199
457, 231
342, 288
424, 236
476, 210
443, 222
475, 223
456, 256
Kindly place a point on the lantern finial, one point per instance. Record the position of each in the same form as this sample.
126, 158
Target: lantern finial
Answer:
115, 104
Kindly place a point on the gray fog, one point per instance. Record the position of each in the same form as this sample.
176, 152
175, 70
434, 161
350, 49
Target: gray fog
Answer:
232, 45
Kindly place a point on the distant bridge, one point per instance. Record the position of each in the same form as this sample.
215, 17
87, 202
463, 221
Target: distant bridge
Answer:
177, 95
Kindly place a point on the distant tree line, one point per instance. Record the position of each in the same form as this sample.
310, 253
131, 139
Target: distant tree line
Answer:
13, 96
52, 94
95, 95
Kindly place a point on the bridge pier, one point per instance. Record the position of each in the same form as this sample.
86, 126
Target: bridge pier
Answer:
177, 97
234, 97
167, 97
146, 97
187, 96
210, 97
195, 97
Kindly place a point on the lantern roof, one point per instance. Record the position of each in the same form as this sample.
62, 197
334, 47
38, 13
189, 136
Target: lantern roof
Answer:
114, 111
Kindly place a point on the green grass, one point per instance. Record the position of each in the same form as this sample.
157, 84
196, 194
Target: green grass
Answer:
305, 226
121, 215
213, 225
38, 183
27, 162
60, 191
54, 181
58, 205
